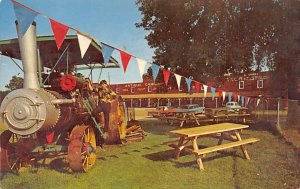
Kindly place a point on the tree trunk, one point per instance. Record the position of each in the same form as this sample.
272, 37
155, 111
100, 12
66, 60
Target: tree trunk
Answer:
293, 118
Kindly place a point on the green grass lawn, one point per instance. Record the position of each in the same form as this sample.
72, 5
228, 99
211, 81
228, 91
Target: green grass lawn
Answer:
150, 164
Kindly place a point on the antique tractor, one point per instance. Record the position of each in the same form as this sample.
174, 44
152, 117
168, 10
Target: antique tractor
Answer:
55, 119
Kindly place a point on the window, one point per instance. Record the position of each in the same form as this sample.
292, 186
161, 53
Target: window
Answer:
117, 90
149, 88
260, 84
241, 84
132, 89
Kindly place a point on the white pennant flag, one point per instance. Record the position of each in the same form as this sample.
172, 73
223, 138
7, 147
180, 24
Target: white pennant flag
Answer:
205, 90
84, 43
224, 95
141, 64
178, 79
238, 97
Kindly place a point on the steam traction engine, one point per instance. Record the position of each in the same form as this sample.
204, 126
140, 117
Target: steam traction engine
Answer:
54, 120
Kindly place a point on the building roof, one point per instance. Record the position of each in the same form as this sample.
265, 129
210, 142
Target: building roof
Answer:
49, 53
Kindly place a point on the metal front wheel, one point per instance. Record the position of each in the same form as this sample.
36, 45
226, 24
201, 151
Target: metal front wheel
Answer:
12, 156
82, 148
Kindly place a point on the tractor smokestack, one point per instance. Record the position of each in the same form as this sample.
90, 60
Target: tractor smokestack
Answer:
28, 50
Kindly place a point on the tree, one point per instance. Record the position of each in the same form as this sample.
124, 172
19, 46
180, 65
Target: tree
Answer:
15, 83
209, 38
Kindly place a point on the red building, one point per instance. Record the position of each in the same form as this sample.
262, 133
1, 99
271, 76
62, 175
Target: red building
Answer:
151, 94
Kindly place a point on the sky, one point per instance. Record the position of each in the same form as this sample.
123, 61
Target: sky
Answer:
109, 21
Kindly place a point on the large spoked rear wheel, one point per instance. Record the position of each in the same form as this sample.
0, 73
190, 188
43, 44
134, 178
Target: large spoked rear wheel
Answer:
82, 148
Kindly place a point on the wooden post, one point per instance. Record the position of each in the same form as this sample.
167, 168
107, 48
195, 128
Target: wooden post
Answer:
237, 134
221, 139
199, 162
179, 147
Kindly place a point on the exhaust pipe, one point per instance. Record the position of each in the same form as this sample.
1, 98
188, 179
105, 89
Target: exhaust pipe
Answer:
28, 51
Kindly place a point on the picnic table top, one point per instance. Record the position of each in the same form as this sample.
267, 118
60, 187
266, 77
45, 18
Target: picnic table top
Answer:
185, 111
209, 129
226, 108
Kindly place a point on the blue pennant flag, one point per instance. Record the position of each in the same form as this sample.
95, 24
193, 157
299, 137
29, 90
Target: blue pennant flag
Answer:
107, 52
25, 17
243, 100
213, 92
155, 69
229, 96
188, 82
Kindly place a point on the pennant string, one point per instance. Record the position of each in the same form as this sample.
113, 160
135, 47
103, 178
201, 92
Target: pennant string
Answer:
155, 68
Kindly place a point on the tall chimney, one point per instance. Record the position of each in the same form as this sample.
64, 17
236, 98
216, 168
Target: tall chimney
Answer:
28, 51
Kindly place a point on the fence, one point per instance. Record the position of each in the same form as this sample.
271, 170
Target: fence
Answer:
271, 111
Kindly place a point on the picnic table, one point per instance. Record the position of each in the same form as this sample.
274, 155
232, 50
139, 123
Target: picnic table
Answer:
221, 131
223, 113
181, 116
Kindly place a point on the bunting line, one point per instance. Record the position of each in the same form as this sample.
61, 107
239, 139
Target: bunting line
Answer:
25, 16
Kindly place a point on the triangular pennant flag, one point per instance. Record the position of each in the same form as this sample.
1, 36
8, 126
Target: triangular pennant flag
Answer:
188, 82
197, 86
205, 90
243, 100
60, 31
229, 96
224, 95
166, 74
125, 57
155, 70
238, 98
220, 93
257, 102
234, 97
141, 64
84, 43
247, 99
24, 16
213, 91
178, 80
107, 52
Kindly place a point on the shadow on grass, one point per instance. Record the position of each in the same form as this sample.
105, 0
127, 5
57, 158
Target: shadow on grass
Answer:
168, 155
264, 126
156, 127
59, 165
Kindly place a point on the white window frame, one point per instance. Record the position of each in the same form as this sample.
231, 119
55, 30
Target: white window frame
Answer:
132, 89
149, 88
241, 84
260, 82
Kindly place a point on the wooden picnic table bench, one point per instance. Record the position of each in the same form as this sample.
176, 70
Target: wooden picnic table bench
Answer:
219, 131
224, 113
185, 116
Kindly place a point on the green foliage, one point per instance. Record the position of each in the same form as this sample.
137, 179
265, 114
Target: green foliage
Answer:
209, 38
15, 83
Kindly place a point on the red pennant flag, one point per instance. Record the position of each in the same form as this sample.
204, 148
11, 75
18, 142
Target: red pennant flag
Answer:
166, 76
247, 100
220, 93
125, 57
234, 97
60, 31
197, 86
